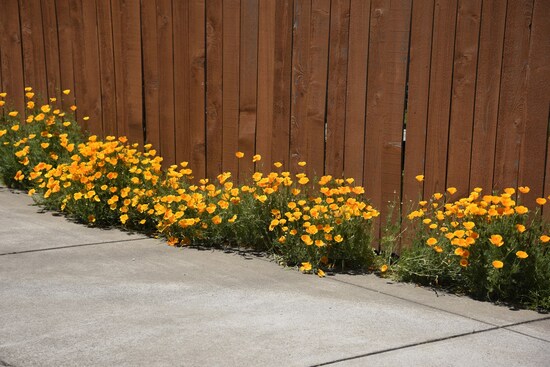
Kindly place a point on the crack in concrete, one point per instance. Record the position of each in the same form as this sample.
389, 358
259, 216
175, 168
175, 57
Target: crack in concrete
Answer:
5, 364
436, 340
442, 310
71, 246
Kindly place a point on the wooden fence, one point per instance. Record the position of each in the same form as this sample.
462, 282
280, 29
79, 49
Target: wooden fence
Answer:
335, 83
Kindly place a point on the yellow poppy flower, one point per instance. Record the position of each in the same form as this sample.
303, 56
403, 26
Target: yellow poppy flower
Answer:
522, 254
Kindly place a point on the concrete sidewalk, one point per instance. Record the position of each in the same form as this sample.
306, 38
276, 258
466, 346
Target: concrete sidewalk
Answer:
77, 296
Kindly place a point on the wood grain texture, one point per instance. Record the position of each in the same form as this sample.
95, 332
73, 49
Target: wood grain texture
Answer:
420, 51
417, 107
513, 94
107, 68
248, 77
166, 81
463, 95
300, 82
309, 79
491, 41
440, 96
214, 90
182, 80
151, 79
534, 146
11, 55
87, 88
128, 69
388, 54
356, 89
336, 87
230, 110
197, 54
51, 48
282, 79
32, 34
66, 56
266, 57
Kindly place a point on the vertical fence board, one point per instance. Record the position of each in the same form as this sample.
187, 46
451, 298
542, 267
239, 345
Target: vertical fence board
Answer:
231, 41
511, 114
356, 89
66, 57
197, 54
300, 81
182, 81
11, 55
491, 41
439, 96
388, 54
282, 69
534, 148
51, 48
85, 48
318, 73
463, 94
337, 82
166, 81
266, 56
417, 108
34, 62
107, 68
150, 72
248, 77
214, 92
128, 68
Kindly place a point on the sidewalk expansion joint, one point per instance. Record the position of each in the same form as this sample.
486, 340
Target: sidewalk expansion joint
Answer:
432, 341
450, 312
71, 246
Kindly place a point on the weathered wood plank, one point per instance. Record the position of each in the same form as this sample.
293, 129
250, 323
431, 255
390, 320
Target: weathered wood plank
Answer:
440, 96
534, 146
32, 35
282, 79
248, 77
197, 54
11, 55
513, 93
151, 81
463, 94
87, 88
230, 108
357, 89
417, 108
51, 48
491, 41
107, 68
66, 57
214, 90
128, 67
336, 88
182, 81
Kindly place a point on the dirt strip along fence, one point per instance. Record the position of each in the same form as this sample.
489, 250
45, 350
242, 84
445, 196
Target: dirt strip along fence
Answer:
377, 90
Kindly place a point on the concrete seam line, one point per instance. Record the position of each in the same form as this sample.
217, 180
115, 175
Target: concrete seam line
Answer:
439, 309
71, 246
431, 341
411, 301
406, 346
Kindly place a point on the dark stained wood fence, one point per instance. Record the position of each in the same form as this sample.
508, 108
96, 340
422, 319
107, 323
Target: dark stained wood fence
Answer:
333, 82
